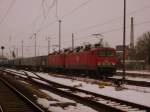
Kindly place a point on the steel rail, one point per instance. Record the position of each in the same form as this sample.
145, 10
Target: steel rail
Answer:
24, 98
54, 85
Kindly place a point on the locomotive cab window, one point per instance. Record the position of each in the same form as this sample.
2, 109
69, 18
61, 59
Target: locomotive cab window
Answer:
105, 53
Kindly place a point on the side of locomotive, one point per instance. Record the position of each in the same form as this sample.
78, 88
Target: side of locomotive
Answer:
56, 61
98, 61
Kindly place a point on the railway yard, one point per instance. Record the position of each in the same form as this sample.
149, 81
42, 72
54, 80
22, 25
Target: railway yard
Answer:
53, 92
74, 56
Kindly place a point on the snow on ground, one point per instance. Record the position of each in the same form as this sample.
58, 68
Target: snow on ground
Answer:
51, 105
131, 95
23, 76
15, 71
136, 72
24, 82
137, 88
22, 72
31, 74
134, 78
64, 81
40, 81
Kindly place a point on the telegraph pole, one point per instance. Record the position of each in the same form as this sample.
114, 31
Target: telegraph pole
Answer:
72, 41
2, 47
59, 35
48, 45
16, 52
35, 42
124, 39
22, 48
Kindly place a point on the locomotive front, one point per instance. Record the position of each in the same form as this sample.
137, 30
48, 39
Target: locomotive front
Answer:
106, 61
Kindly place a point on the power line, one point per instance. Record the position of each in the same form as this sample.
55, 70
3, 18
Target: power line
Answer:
110, 21
77, 8
49, 8
45, 14
111, 30
8, 10
107, 22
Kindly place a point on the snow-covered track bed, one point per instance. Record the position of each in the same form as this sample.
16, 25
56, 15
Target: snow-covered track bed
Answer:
11, 100
94, 100
142, 74
99, 99
131, 82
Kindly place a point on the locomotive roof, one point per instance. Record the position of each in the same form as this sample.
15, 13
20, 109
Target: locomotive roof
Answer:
68, 51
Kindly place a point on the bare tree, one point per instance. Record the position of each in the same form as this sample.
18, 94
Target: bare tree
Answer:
143, 47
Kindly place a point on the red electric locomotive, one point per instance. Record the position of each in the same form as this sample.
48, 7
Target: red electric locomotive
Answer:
98, 61
56, 61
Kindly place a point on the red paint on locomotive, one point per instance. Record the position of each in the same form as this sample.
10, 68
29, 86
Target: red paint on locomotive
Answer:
56, 60
92, 59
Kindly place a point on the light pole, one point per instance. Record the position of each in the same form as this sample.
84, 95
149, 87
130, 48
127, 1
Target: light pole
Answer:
124, 39
49, 41
35, 42
59, 35
22, 48
2, 47
72, 41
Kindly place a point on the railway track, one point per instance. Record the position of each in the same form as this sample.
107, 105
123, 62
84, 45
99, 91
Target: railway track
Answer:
131, 82
99, 102
11, 100
127, 81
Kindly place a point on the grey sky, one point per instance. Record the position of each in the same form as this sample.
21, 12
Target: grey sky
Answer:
28, 16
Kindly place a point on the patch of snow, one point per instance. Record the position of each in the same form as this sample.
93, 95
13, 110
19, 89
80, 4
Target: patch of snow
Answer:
135, 72
82, 94
24, 82
31, 74
60, 80
62, 99
43, 102
137, 88
21, 75
134, 78
78, 108
126, 94
40, 81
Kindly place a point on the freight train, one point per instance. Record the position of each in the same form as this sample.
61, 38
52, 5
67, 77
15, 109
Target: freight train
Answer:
96, 61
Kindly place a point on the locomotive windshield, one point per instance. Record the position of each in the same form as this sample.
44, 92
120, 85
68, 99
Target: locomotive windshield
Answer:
106, 53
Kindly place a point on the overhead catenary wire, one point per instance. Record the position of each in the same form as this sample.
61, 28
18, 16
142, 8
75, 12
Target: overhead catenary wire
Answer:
65, 15
33, 24
111, 20
7, 11
102, 24
45, 14
75, 9
97, 25
49, 9
112, 30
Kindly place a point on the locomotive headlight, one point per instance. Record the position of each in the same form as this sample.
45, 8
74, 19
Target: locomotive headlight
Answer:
99, 64
113, 64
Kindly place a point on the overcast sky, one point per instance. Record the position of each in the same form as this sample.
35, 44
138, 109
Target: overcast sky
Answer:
20, 19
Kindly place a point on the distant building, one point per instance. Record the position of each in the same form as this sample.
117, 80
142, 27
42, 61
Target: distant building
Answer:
119, 52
